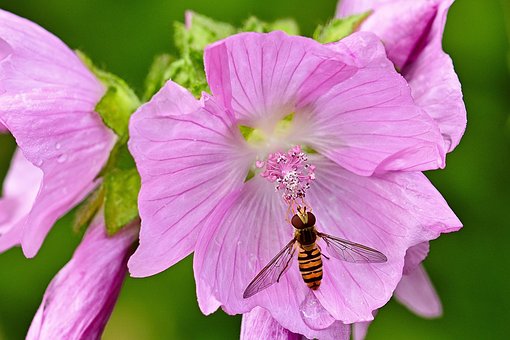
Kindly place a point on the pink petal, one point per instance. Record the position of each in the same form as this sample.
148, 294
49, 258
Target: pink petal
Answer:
399, 23
390, 213
414, 256
369, 122
360, 330
416, 292
335, 91
48, 97
350, 7
20, 189
3, 129
81, 297
258, 324
244, 233
262, 76
189, 155
412, 32
436, 88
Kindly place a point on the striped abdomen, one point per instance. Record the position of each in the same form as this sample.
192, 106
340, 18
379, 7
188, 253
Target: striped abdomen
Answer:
310, 266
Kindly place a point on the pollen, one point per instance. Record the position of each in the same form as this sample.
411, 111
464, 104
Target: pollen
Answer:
290, 171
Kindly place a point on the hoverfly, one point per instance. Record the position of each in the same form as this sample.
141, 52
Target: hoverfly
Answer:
309, 255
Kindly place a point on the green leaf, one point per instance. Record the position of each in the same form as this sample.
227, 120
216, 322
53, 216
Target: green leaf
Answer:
253, 24
191, 41
188, 75
156, 77
119, 101
289, 26
201, 32
120, 200
88, 209
338, 29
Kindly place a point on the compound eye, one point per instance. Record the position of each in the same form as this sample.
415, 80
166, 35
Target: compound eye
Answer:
296, 222
311, 219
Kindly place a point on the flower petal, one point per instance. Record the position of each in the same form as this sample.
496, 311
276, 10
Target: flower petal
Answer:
390, 213
369, 122
262, 76
412, 32
20, 189
334, 91
47, 100
81, 297
243, 234
436, 88
400, 24
360, 330
416, 292
258, 324
350, 7
189, 156
414, 256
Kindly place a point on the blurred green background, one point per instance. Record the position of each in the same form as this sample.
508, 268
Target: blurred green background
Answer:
471, 268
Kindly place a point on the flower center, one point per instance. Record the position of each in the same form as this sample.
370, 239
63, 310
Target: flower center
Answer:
290, 171
268, 136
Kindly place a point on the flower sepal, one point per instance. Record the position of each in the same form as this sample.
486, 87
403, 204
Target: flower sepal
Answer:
337, 29
118, 102
119, 189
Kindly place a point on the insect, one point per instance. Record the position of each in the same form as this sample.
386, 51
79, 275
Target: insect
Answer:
309, 255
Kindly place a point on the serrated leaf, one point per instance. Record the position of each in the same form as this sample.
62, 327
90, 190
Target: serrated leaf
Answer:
88, 209
115, 108
337, 29
254, 24
188, 75
156, 77
121, 189
289, 26
204, 31
118, 102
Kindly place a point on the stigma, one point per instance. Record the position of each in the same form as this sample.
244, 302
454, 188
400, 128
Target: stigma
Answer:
291, 172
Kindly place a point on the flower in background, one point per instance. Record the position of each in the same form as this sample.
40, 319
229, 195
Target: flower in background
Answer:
47, 101
352, 113
412, 33
79, 300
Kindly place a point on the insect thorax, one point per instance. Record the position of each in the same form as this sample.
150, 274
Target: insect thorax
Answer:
306, 236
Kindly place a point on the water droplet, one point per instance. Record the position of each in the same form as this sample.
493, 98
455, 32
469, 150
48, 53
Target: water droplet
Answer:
58, 146
39, 162
313, 313
62, 158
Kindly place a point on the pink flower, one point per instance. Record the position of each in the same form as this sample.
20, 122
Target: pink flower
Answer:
47, 101
80, 299
352, 109
412, 33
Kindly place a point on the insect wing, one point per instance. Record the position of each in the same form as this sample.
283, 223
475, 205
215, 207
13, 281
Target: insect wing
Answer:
272, 272
351, 252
